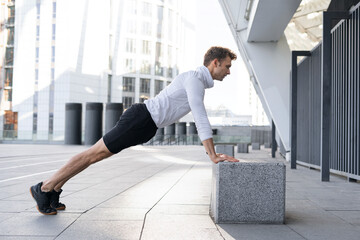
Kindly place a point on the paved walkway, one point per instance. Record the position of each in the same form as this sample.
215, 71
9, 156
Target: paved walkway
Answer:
160, 193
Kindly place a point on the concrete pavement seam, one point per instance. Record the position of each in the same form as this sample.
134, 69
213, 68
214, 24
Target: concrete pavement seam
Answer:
142, 229
296, 232
110, 198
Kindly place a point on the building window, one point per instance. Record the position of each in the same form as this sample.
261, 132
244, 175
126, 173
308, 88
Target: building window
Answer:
170, 62
38, 9
127, 102
143, 98
10, 124
170, 25
53, 31
9, 56
37, 33
131, 26
8, 77
10, 40
130, 45
170, 72
128, 84
159, 51
129, 65
53, 54
170, 55
145, 67
146, 9
132, 7
146, 28
159, 85
160, 21
146, 47
144, 85
8, 95
54, 9
11, 15
159, 69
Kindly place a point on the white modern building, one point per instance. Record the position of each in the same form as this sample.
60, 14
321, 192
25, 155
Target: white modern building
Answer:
86, 51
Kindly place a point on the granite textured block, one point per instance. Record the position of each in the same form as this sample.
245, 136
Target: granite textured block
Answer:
248, 192
225, 148
243, 147
255, 146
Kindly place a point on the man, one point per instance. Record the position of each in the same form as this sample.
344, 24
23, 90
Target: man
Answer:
139, 124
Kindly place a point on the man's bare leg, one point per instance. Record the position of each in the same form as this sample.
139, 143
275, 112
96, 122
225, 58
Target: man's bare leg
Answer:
75, 165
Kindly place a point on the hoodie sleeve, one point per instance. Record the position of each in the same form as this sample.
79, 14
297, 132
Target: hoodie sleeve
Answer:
195, 92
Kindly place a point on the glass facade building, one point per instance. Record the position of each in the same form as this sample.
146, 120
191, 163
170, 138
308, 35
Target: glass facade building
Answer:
55, 52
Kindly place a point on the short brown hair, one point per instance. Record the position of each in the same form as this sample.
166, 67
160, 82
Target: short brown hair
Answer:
218, 52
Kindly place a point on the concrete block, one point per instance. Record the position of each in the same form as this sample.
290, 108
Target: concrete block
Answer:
248, 192
224, 148
255, 146
243, 148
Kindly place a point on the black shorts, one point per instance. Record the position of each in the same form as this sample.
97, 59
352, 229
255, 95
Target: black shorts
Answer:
134, 127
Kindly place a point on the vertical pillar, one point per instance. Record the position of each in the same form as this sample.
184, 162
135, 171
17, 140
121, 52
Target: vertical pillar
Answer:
326, 92
180, 132
180, 128
273, 140
112, 114
170, 130
73, 112
159, 136
93, 122
293, 84
192, 129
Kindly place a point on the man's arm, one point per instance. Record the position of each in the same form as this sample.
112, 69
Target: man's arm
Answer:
216, 158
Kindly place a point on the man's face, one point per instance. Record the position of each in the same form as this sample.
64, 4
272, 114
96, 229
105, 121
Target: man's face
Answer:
222, 69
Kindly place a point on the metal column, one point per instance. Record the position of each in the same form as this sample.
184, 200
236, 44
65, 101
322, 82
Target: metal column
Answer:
274, 144
326, 91
294, 56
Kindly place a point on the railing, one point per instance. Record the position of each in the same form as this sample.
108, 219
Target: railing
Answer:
195, 140
345, 145
14, 135
344, 150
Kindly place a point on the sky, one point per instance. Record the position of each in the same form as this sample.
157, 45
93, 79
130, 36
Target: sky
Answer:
212, 30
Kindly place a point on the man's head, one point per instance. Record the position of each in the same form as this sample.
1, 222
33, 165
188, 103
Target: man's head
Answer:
218, 61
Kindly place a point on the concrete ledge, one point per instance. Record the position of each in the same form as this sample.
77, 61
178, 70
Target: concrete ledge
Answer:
224, 148
248, 192
243, 147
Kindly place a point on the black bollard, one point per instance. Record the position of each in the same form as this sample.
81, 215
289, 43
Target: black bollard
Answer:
170, 130
73, 113
112, 114
191, 129
93, 122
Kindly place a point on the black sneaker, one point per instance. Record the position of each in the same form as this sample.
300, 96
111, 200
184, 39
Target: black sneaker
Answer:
54, 200
42, 200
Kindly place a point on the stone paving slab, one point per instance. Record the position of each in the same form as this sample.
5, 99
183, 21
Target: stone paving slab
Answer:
258, 232
165, 226
34, 224
104, 230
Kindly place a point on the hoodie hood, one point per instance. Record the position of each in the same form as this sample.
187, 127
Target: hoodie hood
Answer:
205, 76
